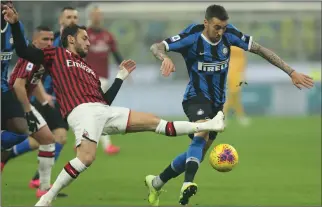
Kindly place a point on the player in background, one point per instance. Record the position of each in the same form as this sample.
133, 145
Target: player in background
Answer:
102, 45
84, 104
206, 50
14, 128
236, 73
42, 37
25, 80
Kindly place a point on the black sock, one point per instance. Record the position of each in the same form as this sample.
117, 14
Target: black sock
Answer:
36, 176
191, 170
168, 174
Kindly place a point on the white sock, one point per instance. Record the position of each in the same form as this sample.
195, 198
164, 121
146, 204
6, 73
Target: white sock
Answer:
106, 140
70, 172
157, 183
46, 158
178, 128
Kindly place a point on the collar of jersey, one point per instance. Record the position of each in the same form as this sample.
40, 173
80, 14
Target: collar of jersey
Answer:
207, 40
5, 28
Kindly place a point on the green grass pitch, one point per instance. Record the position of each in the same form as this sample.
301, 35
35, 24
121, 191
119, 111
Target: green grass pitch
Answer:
280, 164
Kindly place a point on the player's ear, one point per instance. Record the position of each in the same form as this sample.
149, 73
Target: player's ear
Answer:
205, 22
71, 39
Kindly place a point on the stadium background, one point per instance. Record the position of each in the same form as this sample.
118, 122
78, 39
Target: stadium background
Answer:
280, 152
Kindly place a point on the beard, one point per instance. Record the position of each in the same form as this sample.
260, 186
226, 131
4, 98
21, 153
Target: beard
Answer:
80, 51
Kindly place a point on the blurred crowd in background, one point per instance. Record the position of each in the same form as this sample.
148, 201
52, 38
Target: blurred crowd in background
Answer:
292, 30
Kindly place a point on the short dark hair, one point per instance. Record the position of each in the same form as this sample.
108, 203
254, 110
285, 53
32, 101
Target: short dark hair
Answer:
67, 8
216, 11
43, 28
70, 30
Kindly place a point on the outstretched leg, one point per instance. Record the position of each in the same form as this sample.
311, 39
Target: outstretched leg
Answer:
139, 122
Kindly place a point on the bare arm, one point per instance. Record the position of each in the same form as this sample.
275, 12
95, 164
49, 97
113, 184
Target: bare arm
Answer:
159, 51
271, 57
21, 93
299, 80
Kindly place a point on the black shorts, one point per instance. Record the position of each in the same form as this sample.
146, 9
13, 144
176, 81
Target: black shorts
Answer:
200, 108
53, 117
10, 108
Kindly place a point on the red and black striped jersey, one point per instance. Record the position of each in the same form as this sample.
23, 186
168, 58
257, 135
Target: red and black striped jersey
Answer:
74, 81
29, 71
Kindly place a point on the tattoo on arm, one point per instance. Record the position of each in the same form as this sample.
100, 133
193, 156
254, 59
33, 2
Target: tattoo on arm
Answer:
159, 51
271, 57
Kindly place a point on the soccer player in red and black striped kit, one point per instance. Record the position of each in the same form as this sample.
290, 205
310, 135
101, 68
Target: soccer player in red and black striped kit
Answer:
25, 80
84, 104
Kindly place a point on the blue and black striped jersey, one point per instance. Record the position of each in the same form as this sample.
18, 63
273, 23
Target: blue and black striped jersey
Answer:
7, 48
207, 62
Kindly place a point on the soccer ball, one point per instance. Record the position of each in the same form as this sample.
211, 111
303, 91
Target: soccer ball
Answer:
223, 157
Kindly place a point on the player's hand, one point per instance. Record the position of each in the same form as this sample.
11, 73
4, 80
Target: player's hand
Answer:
32, 122
50, 100
167, 67
301, 80
10, 14
126, 67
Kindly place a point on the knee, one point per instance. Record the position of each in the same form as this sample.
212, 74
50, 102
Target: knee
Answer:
60, 136
203, 135
87, 158
44, 138
61, 139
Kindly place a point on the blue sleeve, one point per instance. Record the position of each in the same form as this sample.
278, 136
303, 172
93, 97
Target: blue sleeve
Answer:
180, 41
57, 42
237, 38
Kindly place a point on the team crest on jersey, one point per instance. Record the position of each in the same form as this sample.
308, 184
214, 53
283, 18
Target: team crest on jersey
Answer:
225, 50
29, 66
175, 38
243, 38
85, 134
11, 40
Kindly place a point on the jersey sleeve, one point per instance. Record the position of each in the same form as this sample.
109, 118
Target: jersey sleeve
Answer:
49, 55
179, 41
23, 68
238, 39
23, 31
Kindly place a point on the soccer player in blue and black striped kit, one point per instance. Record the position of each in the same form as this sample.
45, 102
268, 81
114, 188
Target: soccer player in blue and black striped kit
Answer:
14, 128
206, 51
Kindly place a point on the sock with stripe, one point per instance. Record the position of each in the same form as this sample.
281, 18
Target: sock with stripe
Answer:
194, 157
177, 128
46, 158
70, 172
58, 148
176, 168
22, 148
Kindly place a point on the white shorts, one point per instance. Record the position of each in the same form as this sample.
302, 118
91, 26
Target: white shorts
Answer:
41, 119
90, 120
104, 84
